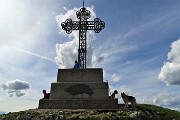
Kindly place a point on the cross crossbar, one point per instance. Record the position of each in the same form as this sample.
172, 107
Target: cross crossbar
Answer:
97, 25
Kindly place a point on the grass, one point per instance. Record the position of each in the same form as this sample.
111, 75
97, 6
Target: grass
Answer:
143, 112
161, 113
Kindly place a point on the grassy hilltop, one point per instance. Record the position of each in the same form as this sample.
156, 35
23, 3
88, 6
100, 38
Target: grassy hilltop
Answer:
143, 112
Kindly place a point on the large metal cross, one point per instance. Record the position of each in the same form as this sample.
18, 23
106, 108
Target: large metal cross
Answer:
83, 25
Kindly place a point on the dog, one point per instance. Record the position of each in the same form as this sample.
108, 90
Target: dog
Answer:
128, 99
114, 93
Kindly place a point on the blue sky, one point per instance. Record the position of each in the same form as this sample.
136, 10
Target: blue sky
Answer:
139, 49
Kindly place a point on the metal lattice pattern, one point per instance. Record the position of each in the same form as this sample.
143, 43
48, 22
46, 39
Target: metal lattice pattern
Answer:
83, 25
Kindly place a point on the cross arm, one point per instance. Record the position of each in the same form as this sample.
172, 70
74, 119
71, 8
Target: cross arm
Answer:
70, 25
97, 25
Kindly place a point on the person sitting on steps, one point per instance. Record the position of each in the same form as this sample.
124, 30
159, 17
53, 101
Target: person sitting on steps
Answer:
114, 93
46, 95
76, 66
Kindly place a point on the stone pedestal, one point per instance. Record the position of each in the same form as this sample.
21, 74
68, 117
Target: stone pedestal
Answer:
79, 89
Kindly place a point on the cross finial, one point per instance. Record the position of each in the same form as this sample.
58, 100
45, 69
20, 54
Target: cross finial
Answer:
83, 3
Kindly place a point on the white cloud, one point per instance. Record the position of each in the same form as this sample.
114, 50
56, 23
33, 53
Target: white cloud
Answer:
170, 72
125, 89
116, 78
99, 59
165, 99
67, 52
15, 88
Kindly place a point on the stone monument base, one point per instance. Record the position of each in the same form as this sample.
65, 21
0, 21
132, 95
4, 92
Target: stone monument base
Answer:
79, 89
78, 104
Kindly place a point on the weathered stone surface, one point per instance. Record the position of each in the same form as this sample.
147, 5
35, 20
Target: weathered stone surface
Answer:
80, 75
60, 90
79, 89
78, 104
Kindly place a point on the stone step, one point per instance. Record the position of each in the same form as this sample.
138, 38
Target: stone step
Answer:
80, 75
77, 90
78, 104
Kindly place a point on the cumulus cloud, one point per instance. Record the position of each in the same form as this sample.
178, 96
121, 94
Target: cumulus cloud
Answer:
170, 72
116, 78
15, 88
170, 100
67, 52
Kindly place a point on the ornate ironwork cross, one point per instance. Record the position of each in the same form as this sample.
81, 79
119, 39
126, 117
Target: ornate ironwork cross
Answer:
82, 25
